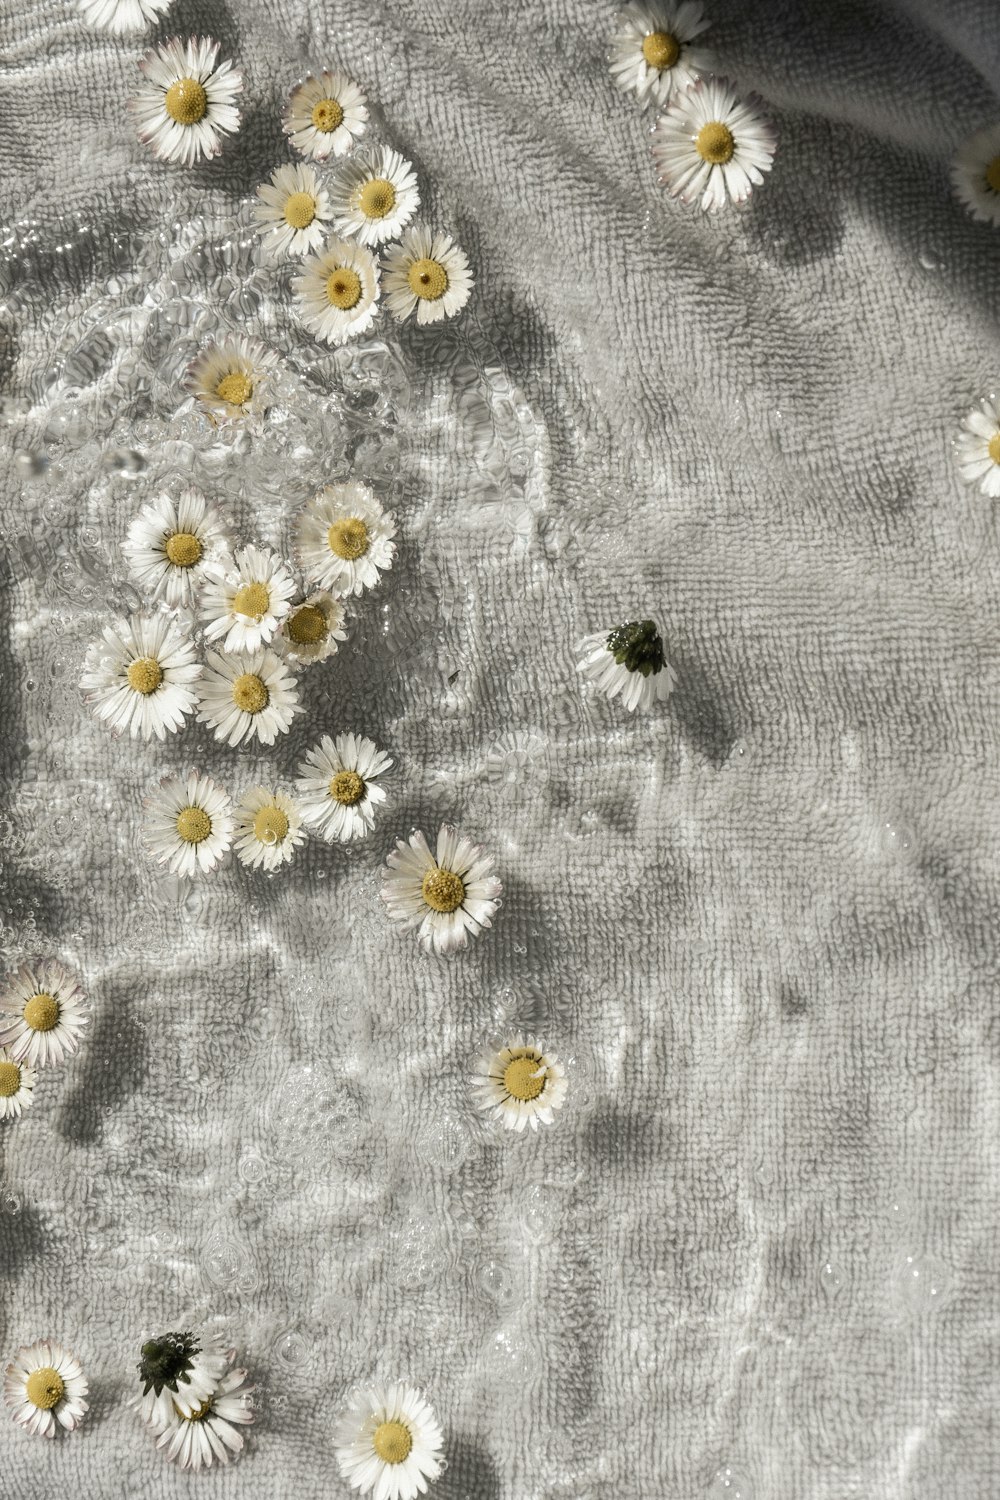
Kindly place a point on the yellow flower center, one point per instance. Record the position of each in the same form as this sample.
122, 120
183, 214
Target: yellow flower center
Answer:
660, 49
992, 175
235, 389
42, 1012
250, 694
252, 600
307, 625
300, 210
10, 1079
200, 1412
44, 1388
348, 538
193, 825
392, 1442
186, 101
327, 115
270, 825
714, 143
443, 890
993, 447
428, 278
183, 549
347, 787
144, 675
519, 1078
343, 288
377, 198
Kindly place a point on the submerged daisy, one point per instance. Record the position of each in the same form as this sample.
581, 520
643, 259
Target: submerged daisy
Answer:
195, 1439
374, 196
428, 273
187, 106
293, 212
325, 115
123, 15
521, 1084
628, 662
247, 602
709, 145
388, 1442
140, 676
42, 1014
44, 1386
246, 696
651, 53
312, 630
230, 379
17, 1080
338, 291
338, 786
189, 824
179, 1372
975, 173
978, 447
170, 542
344, 538
268, 828
447, 896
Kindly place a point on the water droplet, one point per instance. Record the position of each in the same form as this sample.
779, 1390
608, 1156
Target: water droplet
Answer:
731, 1483
921, 1283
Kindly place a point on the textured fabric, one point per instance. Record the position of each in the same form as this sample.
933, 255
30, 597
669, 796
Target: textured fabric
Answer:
759, 924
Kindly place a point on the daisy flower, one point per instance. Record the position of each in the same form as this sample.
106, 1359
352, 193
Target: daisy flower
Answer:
293, 211
447, 896
426, 272
374, 196
230, 379
268, 829
140, 677
247, 696
17, 1080
44, 1386
651, 53
628, 662
179, 1373
975, 173
344, 538
522, 1084
187, 104
197, 1439
978, 447
170, 542
710, 145
388, 1442
338, 786
325, 115
337, 291
42, 1014
189, 824
123, 15
248, 601
312, 631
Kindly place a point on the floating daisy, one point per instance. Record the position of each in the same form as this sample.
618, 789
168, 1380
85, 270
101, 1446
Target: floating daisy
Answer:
426, 272
195, 1439
447, 896
344, 538
293, 212
388, 1442
522, 1084
628, 662
189, 824
312, 630
338, 786
187, 104
709, 145
325, 115
247, 695
651, 53
44, 1386
230, 379
374, 197
140, 677
170, 542
123, 15
42, 1014
268, 829
978, 447
976, 174
17, 1080
247, 602
337, 291
179, 1373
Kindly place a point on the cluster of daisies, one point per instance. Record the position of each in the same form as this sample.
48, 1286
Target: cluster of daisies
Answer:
42, 1015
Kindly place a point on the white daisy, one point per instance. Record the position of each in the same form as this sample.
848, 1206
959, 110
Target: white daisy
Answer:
231, 379
195, 1439
189, 824
140, 677
170, 542
709, 145
447, 896
268, 828
123, 15
338, 786
44, 1386
374, 197
17, 1080
628, 662
522, 1084
427, 272
388, 1442
344, 538
247, 695
248, 601
313, 629
325, 115
975, 173
293, 212
187, 105
978, 447
338, 291
179, 1373
42, 1014
651, 53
